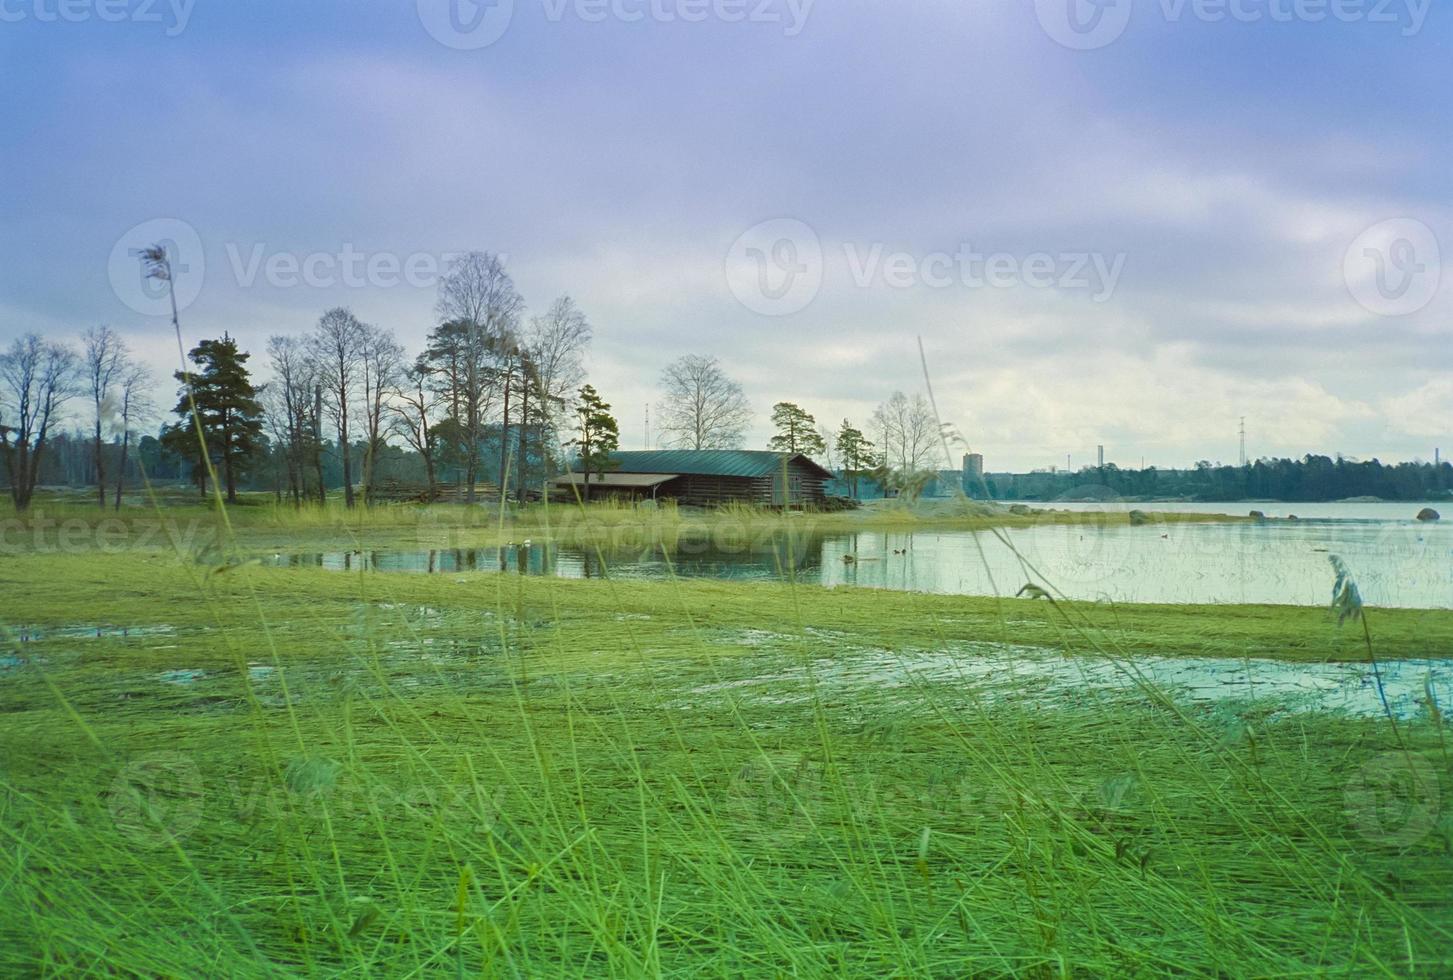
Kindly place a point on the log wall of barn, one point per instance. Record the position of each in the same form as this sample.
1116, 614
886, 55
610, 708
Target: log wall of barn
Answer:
805, 485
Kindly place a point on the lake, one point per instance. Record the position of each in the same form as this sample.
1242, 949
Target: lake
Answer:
1340, 510
1396, 562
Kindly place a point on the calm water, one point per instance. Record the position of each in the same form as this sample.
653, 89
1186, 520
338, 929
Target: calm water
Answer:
1396, 562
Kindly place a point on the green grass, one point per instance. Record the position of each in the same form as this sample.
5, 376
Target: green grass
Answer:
500, 775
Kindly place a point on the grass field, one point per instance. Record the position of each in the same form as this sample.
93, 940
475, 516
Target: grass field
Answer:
215, 768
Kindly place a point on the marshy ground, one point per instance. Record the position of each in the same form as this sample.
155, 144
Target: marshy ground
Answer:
212, 767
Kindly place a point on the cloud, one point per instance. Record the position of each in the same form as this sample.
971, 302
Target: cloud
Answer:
618, 163
1424, 412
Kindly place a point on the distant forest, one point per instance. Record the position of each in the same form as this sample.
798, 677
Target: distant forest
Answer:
1311, 478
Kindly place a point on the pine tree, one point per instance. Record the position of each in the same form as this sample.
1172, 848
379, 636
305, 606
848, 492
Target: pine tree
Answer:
597, 435
855, 453
227, 410
796, 431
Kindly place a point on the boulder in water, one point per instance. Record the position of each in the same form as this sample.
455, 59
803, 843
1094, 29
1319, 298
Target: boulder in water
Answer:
1258, 515
1428, 514
1139, 517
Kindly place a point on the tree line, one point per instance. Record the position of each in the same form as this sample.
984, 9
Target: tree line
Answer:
494, 398
1311, 478
38, 377
345, 388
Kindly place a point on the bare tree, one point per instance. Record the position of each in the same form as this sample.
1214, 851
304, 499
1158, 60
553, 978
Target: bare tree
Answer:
506, 349
888, 421
923, 443
909, 433
553, 359
337, 345
381, 360
829, 447
480, 310
291, 400
416, 410
701, 408
135, 407
275, 415
104, 360
37, 378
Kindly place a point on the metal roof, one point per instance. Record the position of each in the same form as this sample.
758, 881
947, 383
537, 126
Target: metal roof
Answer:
707, 462
616, 479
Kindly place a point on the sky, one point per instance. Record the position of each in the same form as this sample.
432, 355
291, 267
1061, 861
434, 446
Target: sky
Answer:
1126, 223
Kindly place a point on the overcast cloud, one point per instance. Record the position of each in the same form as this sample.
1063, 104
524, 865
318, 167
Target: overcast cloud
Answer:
1213, 211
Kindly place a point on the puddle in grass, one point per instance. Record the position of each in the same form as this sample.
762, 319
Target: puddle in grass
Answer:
1003, 671
181, 677
34, 634
460, 664
414, 665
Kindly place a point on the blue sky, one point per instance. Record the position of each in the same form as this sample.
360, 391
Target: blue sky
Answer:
1185, 221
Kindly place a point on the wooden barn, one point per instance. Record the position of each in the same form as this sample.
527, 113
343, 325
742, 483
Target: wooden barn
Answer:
709, 478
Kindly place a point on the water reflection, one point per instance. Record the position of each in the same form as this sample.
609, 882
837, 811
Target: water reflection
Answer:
1396, 564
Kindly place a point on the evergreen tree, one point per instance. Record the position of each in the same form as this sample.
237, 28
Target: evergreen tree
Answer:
227, 412
597, 435
855, 453
796, 431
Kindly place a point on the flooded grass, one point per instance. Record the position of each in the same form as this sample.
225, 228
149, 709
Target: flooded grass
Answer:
997, 672
505, 775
